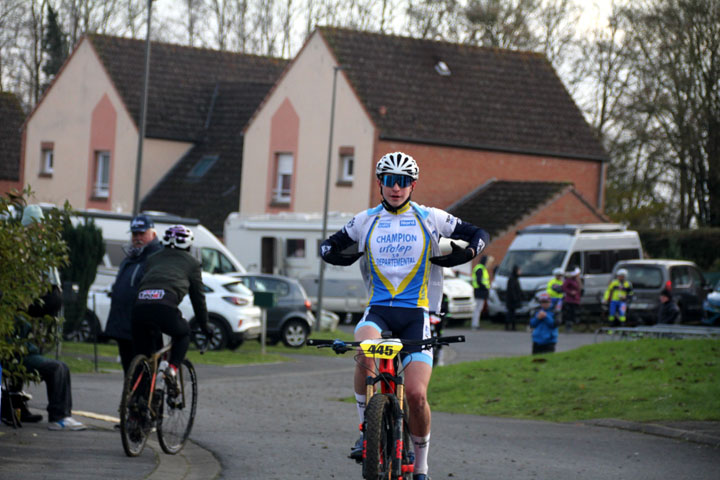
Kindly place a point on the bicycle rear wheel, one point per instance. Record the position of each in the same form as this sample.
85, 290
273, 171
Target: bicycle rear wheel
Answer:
177, 414
135, 418
379, 438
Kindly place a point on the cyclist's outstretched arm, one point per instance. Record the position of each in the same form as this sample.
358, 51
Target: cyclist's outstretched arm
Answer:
330, 249
476, 237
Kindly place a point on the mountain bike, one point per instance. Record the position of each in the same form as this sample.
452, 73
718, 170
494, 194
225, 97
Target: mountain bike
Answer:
387, 447
152, 399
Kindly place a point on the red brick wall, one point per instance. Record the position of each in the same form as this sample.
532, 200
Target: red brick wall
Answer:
567, 209
447, 174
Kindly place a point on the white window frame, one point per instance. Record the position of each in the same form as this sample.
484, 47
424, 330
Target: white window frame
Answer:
347, 167
47, 160
284, 169
102, 174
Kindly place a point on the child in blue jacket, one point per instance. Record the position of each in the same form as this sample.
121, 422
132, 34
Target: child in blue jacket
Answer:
545, 331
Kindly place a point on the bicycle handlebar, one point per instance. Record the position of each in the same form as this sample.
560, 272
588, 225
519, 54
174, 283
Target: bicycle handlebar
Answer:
340, 346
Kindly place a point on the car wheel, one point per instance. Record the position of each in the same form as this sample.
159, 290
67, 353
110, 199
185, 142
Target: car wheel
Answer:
295, 333
219, 337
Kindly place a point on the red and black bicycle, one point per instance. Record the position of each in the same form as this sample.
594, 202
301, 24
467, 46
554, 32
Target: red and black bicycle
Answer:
387, 447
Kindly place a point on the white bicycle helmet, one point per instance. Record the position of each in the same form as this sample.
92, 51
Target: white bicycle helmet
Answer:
622, 272
178, 236
557, 271
398, 163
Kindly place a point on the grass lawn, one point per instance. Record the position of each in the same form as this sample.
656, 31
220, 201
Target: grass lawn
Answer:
640, 380
80, 356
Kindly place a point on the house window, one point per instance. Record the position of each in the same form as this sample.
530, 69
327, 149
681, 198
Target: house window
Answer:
47, 158
202, 166
283, 182
295, 247
346, 167
102, 175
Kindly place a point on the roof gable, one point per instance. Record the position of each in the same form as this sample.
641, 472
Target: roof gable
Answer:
498, 205
493, 99
182, 82
12, 116
215, 193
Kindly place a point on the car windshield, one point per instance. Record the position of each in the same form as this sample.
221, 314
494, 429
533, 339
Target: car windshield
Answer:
644, 276
532, 263
237, 287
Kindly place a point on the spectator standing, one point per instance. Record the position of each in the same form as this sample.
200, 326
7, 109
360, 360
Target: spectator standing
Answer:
555, 291
668, 312
572, 291
144, 242
618, 293
545, 331
513, 297
481, 284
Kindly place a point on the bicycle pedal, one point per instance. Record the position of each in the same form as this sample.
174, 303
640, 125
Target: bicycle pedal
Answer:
357, 460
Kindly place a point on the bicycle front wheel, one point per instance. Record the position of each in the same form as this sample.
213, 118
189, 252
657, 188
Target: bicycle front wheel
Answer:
135, 417
379, 438
177, 414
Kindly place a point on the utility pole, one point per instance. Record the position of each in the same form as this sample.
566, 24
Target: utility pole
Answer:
143, 114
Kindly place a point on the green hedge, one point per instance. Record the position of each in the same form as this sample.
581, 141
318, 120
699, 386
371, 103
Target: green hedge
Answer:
701, 246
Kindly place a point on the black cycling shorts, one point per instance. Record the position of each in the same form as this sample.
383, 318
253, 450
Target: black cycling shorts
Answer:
405, 323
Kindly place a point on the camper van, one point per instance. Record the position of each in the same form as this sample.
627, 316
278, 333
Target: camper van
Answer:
538, 249
215, 257
289, 244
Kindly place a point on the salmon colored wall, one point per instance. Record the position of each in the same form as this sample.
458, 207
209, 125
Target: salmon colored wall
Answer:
566, 209
284, 132
448, 173
102, 137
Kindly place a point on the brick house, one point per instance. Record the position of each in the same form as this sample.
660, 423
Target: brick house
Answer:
198, 101
467, 114
12, 116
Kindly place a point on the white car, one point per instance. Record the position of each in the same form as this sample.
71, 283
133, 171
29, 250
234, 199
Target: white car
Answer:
231, 314
460, 297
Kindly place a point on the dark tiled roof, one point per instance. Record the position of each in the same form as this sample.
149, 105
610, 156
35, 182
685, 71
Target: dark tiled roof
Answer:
213, 196
188, 87
498, 205
494, 99
11, 120
182, 80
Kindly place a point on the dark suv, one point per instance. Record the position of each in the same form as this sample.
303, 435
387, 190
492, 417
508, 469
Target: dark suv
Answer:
291, 319
649, 277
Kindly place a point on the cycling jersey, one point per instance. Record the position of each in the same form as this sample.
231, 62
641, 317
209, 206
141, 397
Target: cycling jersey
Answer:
398, 246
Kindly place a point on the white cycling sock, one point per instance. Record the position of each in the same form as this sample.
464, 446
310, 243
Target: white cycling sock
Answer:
422, 446
360, 402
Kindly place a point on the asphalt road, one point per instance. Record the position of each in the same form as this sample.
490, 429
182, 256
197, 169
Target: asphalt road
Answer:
285, 421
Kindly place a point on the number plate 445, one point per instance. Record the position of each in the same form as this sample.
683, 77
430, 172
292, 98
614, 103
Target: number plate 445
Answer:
381, 348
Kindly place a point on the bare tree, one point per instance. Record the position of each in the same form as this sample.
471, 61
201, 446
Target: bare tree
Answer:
11, 14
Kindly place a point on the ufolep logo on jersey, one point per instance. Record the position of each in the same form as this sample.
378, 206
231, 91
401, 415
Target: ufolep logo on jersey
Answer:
407, 223
151, 294
383, 225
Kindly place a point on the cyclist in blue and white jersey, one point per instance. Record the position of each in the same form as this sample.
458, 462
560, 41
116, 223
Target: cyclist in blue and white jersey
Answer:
401, 264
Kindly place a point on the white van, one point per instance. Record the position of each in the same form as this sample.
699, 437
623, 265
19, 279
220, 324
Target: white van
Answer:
538, 249
215, 257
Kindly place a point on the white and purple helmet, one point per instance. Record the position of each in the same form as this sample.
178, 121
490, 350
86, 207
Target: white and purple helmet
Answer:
398, 163
178, 236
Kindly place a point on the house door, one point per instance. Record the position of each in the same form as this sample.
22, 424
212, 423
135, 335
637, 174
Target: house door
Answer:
268, 247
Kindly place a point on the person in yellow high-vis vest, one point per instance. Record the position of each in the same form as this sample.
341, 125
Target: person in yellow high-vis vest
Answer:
618, 293
481, 284
555, 291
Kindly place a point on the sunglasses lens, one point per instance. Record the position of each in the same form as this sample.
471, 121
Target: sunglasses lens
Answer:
402, 180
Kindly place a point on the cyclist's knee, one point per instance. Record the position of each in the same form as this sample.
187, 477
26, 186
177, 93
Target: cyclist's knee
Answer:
416, 396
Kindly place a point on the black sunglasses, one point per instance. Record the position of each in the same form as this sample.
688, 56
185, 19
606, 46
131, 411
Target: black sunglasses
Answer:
390, 179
